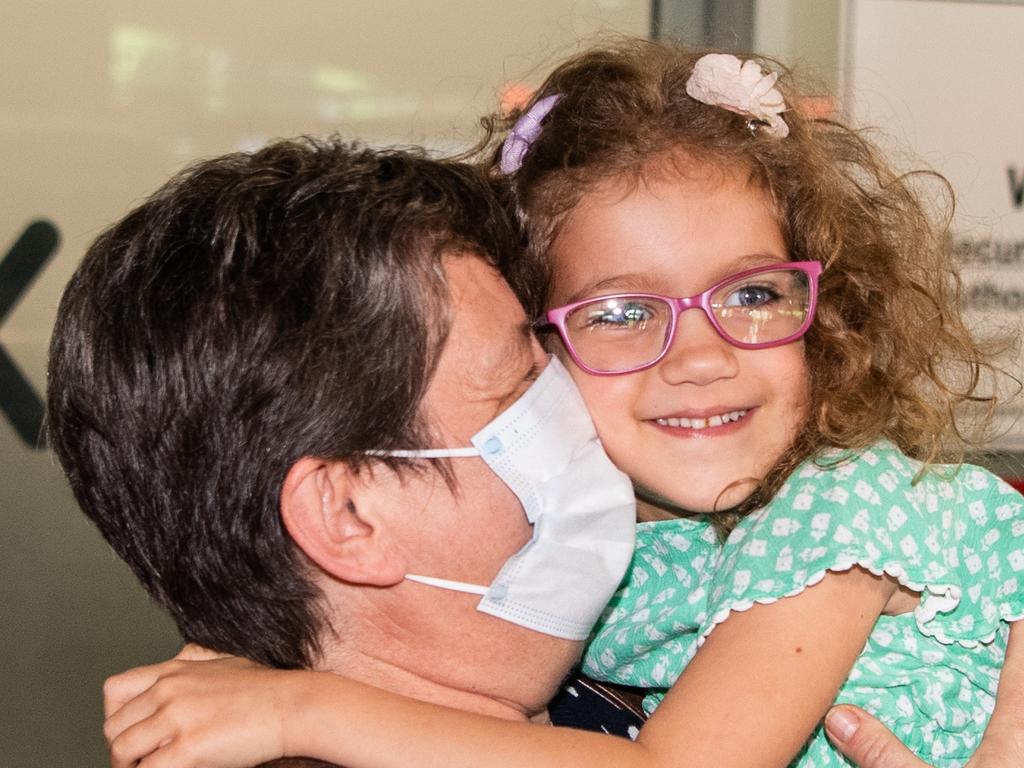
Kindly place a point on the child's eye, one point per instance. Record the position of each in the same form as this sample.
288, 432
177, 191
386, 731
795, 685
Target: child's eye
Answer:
620, 315
751, 296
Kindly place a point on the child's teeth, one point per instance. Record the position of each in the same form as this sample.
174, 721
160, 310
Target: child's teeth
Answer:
697, 424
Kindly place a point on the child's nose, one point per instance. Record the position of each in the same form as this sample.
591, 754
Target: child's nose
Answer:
698, 355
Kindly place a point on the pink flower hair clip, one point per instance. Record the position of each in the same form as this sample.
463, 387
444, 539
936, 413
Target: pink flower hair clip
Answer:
722, 80
525, 131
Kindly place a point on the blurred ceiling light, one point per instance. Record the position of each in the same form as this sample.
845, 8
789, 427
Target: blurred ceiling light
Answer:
362, 109
136, 51
218, 78
327, 79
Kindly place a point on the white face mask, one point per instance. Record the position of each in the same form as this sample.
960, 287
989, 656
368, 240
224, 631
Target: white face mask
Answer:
544, 447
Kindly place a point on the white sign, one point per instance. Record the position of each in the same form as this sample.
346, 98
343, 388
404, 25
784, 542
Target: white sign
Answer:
944, 79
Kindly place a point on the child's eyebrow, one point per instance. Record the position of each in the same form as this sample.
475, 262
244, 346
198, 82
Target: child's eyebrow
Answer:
760, 259
651, 282
625, 283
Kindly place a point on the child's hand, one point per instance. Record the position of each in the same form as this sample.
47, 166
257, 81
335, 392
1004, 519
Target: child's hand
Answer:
218, 713
120, 689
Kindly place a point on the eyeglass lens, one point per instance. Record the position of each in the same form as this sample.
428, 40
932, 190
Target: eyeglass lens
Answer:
619, 334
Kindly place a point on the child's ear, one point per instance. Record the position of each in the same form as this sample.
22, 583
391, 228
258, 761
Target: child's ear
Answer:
332, 515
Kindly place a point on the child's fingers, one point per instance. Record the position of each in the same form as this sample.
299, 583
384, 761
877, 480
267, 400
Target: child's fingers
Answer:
188, 710
137, 710
196, 652
164, 740
172, 755
137, 742
119, 689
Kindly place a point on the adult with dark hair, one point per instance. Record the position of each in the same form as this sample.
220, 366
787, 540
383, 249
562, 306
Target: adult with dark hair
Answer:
252, 378
232, 364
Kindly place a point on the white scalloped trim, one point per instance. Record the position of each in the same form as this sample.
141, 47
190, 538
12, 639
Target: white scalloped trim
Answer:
936, 598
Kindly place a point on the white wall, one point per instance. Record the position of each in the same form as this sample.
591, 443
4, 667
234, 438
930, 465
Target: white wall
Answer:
943, 80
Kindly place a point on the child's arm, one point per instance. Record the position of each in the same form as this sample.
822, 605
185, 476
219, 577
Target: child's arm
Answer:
766, 676
751, 697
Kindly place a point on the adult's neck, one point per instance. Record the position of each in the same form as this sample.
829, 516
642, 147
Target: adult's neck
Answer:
387, 661
409, 682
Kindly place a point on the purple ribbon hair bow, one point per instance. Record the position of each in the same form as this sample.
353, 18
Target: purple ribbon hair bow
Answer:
525, 132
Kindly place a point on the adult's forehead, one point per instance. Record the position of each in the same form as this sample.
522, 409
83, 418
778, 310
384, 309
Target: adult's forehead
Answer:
489, 335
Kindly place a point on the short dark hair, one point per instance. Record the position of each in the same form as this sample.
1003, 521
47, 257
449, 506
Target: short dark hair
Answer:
258, 308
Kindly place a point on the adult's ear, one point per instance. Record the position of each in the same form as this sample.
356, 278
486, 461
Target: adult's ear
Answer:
332, 514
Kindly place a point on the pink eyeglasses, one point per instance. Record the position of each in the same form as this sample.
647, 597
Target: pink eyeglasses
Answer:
625, 332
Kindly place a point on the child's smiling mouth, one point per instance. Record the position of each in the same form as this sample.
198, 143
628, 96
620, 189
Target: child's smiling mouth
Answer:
699, 423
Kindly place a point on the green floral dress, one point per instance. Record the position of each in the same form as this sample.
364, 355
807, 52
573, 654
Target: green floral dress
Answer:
956, 537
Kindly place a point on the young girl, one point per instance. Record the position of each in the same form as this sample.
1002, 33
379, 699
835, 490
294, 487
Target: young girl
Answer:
782, 436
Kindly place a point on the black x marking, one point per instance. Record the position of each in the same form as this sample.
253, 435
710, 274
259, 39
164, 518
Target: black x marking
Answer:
18, 269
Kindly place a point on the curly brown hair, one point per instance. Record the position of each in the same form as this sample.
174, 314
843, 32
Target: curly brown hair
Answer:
889, 355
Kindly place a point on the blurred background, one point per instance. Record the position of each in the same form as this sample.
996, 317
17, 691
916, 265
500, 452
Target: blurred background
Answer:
102, 101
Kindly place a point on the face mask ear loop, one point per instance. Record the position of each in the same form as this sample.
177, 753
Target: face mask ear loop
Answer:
437, 453
430, 453
456, 586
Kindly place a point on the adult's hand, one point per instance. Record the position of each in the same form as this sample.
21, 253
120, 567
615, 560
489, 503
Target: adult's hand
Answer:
866, 741
870, 744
